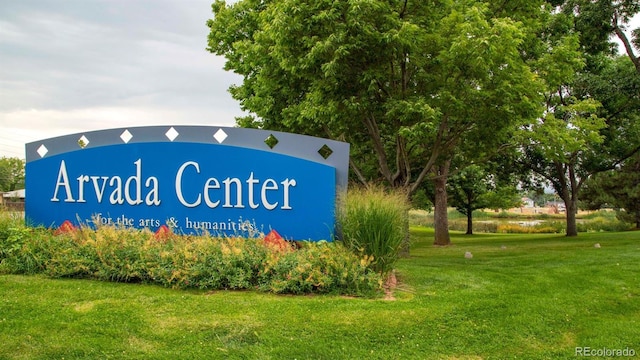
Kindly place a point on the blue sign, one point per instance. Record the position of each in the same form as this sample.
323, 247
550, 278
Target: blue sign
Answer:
192, 186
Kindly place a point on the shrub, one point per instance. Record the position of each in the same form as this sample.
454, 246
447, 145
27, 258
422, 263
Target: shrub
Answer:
373, 222
207, 263
70, 258
321, 268
26, 251
204, 262
108, 253
549, 227
603, 223
9, 225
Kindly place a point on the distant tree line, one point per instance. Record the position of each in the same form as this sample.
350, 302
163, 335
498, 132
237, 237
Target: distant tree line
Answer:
11, 174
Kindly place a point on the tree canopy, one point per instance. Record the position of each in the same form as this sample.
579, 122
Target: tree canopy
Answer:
475, 188
619, 188
597, 21
590, 121
11, 173
407, 83
416, 86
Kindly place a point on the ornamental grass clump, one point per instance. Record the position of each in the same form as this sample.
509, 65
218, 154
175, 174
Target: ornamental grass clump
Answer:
373, 222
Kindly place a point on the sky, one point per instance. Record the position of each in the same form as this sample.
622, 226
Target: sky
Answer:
71, 66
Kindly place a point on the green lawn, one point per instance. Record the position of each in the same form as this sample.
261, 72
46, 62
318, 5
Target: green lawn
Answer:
539, 298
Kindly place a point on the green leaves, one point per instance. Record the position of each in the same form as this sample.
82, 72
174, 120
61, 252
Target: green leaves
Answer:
187, 262
571, 129
11, 173
562, 62
408, 79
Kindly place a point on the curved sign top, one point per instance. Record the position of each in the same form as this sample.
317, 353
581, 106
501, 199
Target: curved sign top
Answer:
195, 179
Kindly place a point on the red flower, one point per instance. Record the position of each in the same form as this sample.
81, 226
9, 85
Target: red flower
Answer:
275, 241
163, 232
65, 228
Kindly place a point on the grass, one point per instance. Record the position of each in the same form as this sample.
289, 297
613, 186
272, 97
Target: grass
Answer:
539, 298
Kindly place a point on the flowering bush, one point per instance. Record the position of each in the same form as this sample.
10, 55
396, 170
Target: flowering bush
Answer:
319, 267
551, 228
203, 262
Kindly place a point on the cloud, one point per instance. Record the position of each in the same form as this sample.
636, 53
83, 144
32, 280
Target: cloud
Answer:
78, 65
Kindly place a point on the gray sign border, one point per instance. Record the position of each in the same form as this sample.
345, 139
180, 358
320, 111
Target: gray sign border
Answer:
296, 145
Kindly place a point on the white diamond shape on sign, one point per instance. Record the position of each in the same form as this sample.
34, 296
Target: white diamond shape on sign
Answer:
126, 136
172, 134
220, 136
83, 142
42, 150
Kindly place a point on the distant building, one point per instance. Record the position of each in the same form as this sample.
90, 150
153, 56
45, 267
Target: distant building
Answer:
527, 203
13, 200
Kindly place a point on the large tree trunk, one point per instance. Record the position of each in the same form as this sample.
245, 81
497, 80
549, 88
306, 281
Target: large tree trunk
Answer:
567, 188
441, 220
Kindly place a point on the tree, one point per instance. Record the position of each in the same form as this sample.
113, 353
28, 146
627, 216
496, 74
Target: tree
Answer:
406, 83
11, 173
539, 196
468, 188
597, 21
558, 147
476, 187
591, 126
619, 188
582, 133
503, 197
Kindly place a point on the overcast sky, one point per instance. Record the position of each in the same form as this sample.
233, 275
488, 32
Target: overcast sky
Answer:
69, 66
